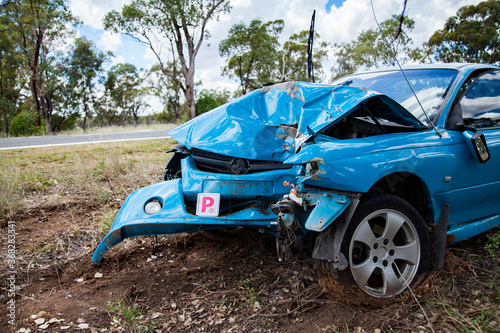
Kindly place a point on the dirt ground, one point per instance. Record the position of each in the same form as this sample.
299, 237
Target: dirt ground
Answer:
189, 283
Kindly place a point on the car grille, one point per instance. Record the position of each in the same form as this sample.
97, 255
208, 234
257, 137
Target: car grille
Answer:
216, 163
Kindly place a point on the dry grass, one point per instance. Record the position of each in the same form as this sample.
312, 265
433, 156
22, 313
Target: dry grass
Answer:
84, 184
64, 200
116, 129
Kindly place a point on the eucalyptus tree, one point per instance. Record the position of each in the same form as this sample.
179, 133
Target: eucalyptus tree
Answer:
174, 30
472, 35
124, 84
38, 26
370, 48
12, 80
292, 59
85, 67
255, 56
251, 52
168, 92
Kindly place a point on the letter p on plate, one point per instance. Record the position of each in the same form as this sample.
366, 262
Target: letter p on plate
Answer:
208, 204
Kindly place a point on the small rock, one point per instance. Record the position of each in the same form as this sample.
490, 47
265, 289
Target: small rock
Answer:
83, 326
42, 314
98, 275
156, 315
39, 321
79, 280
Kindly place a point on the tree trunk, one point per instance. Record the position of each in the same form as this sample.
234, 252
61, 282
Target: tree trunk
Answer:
48, 124
46, 105
190, 99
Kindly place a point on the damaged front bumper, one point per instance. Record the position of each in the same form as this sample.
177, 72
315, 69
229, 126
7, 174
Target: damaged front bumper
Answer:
246, 201
173, 218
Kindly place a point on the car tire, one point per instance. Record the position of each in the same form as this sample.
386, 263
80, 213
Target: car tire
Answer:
387, 248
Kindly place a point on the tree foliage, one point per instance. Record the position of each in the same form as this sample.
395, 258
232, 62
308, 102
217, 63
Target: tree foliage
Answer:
124, 86
209, 99
292, 61
37, 26
470, 36
85, 66
11, 75
205, 102
180, 24
252, 52
370, 49
254, 55
24, 124
169, 93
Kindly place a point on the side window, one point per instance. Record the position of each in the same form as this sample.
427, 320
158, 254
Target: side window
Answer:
479, 107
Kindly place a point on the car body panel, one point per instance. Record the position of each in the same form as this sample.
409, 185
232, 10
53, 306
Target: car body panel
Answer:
291, 124
271, 123
132, 221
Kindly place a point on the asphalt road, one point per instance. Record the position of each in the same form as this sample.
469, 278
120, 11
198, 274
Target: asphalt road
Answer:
66, 140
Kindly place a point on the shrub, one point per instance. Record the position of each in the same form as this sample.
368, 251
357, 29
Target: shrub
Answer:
24, 124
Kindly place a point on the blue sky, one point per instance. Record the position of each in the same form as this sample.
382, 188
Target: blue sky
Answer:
336, 3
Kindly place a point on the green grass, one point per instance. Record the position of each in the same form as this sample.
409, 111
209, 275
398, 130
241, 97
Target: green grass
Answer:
129, 317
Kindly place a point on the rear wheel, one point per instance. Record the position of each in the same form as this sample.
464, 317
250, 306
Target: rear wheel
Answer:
387, 248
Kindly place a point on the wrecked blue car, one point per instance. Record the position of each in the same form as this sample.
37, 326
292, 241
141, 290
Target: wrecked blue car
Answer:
379, 170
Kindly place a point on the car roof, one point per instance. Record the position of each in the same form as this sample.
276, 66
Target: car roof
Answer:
457, 66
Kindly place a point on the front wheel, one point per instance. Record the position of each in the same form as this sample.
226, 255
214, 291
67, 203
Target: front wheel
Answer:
387, 248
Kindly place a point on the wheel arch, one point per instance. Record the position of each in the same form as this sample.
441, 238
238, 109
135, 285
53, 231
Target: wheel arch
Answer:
408, 187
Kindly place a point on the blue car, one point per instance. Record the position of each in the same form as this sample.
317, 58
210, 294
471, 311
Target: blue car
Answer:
379, 170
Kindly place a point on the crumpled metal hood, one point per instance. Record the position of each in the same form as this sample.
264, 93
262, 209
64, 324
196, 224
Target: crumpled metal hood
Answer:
271, 123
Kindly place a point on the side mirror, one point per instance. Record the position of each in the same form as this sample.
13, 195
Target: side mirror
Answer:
476, 143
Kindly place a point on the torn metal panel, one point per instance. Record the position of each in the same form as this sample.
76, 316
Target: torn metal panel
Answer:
326, 208
271, 123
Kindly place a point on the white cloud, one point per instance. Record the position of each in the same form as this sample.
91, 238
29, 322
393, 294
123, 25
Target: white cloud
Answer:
339, 26
117, 59
150, 57
91, 12
110, 41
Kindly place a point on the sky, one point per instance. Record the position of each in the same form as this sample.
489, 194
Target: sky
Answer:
337, 21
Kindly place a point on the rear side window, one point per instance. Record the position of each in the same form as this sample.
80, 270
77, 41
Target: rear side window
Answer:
480, 105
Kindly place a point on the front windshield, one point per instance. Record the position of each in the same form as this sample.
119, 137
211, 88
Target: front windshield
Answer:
430, 85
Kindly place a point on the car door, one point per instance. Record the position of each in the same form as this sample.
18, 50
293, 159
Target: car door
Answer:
476, 186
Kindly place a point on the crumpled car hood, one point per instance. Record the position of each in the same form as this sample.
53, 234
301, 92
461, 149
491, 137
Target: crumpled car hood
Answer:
271, 123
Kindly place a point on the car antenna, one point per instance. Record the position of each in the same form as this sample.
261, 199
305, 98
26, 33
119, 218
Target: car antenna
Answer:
401, 68
310, 65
